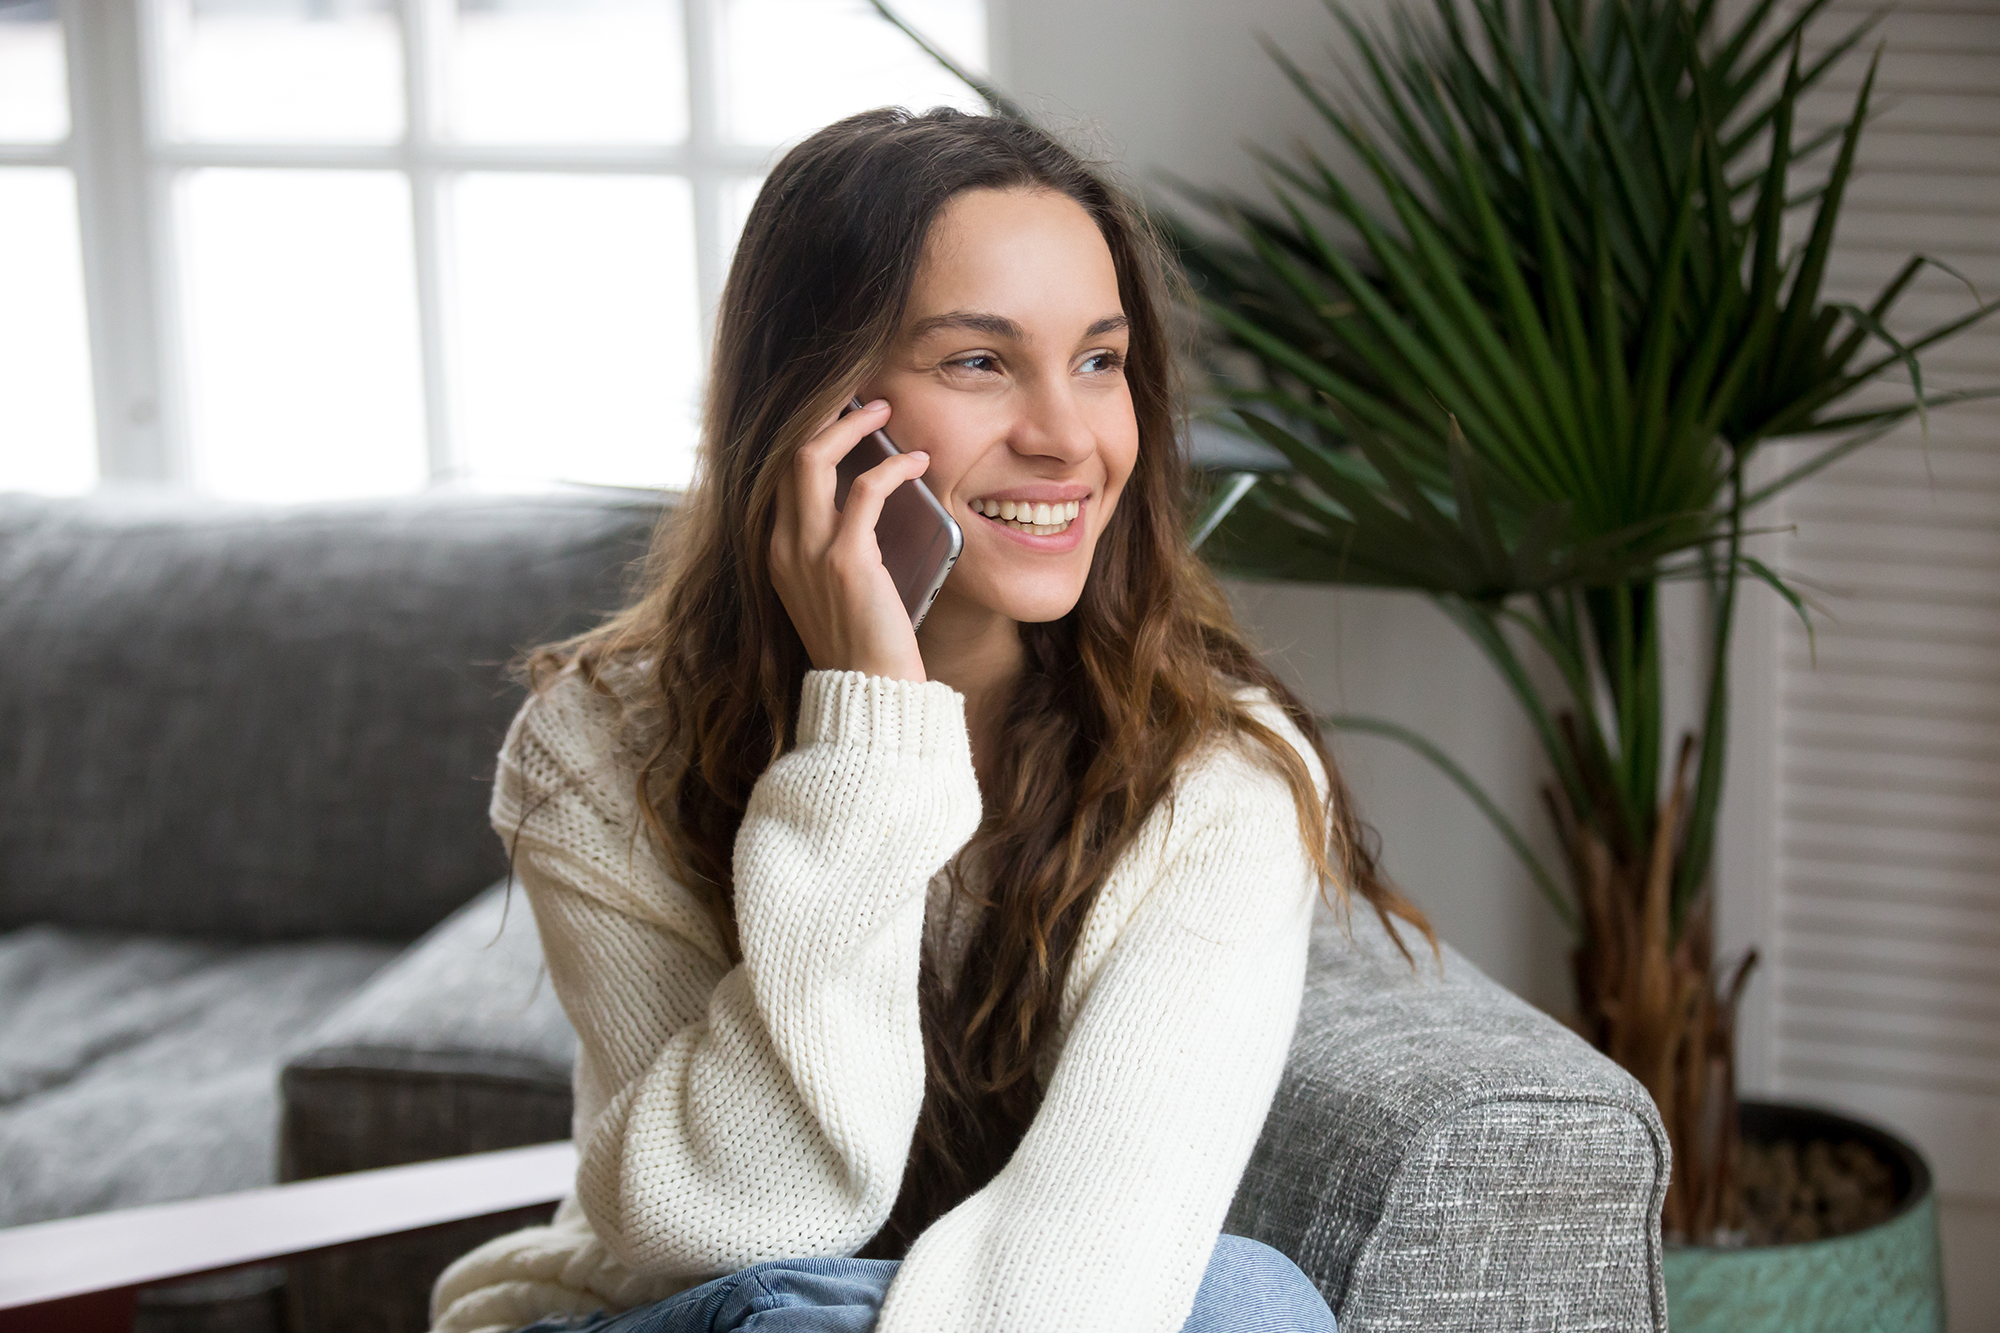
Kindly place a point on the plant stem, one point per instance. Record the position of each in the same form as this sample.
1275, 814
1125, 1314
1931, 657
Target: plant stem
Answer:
1696, 848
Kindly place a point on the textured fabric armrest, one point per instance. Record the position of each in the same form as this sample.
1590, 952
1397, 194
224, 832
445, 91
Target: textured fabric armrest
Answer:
1444, 1157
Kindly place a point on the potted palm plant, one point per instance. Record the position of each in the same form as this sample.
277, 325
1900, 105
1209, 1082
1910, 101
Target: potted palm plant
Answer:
1520, 358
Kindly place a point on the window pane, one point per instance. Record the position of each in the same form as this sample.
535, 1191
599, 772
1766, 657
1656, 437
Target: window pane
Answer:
34, 94
574, 329
299, 298
567, 71
47, 427
262, 70
791, 66
739, 195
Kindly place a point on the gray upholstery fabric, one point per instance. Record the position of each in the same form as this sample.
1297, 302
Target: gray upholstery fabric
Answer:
1443, 1157
459, 1046
140, 1070
262, 723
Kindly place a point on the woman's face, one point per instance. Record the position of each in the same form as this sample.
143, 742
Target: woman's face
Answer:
1009, 371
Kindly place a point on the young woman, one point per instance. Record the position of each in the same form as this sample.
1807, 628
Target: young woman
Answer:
936, 982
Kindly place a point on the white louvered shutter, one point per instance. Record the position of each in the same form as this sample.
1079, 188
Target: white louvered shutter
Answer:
1885, 928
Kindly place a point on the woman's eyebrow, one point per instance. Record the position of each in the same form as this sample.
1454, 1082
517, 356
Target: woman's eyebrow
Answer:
999, 326
978, 321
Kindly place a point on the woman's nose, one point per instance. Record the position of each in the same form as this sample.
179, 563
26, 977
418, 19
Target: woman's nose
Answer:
1051, 424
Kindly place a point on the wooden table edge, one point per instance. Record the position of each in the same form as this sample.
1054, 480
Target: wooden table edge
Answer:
95, 1257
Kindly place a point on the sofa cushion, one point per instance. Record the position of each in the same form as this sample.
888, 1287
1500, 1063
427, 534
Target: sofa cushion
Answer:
263, 723
139, 1070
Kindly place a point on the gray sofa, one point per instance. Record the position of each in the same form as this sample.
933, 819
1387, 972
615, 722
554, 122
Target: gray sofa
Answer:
243, 757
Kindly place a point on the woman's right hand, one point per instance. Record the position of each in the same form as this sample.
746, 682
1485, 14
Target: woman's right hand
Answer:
825, 564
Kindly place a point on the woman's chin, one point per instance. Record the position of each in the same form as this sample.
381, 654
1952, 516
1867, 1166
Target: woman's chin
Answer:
1038, 605
1027, 599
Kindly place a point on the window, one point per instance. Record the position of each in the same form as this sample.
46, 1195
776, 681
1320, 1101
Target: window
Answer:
47, 433
298, 249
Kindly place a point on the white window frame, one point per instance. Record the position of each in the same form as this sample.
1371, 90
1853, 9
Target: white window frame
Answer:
125, 165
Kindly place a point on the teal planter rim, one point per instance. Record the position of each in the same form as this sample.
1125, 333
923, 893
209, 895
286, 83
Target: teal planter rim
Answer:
1802, 1122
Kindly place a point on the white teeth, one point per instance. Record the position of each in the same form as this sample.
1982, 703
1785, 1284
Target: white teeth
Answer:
1042, 520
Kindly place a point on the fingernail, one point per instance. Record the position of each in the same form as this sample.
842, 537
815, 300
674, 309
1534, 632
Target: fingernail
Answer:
918, 453
877, 403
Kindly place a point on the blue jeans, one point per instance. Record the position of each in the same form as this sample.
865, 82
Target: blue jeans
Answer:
1248, 1288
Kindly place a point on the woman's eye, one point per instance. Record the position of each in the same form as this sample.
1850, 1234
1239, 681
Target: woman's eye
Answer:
980, 364
1098, 363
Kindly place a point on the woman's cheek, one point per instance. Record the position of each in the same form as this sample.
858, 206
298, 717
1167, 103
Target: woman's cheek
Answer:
1122, 432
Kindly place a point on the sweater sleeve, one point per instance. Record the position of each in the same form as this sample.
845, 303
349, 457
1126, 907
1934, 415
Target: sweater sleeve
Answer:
1105, 1216
763, 1110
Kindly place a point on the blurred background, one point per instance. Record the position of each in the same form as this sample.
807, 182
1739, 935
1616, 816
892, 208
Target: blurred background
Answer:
288, 250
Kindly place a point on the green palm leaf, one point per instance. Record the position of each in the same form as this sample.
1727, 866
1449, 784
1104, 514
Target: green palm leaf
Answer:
1528, 379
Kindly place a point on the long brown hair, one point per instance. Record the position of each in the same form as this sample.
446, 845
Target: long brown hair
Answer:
1114, 696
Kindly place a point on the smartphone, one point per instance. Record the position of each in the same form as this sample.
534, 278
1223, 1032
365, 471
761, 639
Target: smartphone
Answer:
919, 540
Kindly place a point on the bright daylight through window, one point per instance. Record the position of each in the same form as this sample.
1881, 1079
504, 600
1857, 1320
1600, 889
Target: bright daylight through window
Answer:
351, 247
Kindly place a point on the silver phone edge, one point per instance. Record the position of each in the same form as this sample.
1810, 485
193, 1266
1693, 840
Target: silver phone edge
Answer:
944, 568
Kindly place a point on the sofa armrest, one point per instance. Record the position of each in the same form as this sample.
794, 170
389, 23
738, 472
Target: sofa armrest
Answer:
458, 1046
1442, 1156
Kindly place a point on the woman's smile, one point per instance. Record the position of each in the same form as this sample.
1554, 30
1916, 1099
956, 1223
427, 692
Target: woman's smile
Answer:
1040, 516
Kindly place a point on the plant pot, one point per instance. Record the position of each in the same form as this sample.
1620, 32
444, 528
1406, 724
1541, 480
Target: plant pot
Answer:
1883, 1279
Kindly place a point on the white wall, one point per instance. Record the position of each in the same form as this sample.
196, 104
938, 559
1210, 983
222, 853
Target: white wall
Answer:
1396, 656
1169, 84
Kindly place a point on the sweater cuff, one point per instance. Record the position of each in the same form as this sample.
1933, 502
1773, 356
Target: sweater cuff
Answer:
919, 719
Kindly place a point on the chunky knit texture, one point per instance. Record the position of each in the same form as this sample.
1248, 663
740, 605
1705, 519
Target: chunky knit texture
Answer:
729, 1115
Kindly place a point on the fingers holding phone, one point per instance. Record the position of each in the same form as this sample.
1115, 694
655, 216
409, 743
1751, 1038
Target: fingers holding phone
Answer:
825, 562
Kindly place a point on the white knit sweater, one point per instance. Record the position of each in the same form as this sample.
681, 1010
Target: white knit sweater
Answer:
730, 1115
